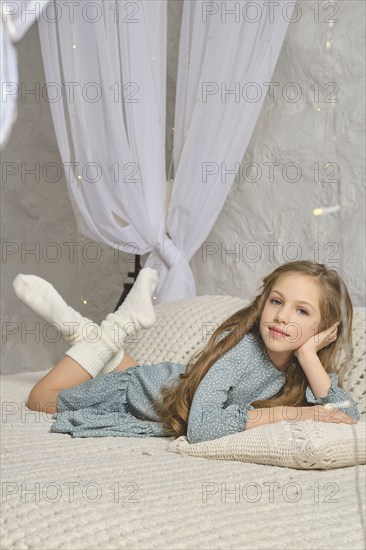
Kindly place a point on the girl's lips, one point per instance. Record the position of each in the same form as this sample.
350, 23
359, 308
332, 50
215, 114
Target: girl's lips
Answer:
277, 334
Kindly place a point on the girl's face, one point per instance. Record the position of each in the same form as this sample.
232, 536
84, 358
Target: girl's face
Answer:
290, 316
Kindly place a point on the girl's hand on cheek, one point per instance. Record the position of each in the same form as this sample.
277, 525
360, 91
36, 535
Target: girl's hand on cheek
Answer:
318, 341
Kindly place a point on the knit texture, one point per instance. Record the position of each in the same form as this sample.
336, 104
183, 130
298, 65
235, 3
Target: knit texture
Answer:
131, 493
306, 445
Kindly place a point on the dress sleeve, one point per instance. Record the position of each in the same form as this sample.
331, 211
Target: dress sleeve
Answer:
208, 417
336, 395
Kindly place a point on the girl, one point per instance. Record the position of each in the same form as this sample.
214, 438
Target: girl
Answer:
274, 359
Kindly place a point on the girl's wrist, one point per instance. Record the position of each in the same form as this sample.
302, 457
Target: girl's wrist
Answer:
306, 354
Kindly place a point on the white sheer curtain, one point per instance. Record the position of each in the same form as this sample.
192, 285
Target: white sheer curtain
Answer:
16, 18
219, 51
110, 121
103, 53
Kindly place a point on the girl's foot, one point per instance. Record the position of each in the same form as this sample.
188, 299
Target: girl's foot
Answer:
44, 299
138, 304
136, 312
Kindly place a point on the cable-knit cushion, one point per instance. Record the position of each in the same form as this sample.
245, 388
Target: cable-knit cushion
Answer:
181, 328
184, 326
304, 445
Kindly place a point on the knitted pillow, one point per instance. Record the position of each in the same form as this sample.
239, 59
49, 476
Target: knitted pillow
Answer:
184, 326
304, 445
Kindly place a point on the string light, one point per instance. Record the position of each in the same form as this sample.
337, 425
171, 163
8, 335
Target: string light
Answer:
347, 349
171, 166
324, 210
83, 300
73, 132
270, 131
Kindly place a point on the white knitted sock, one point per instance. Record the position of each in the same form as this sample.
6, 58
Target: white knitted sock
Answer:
93, 355
44, 299
138, 302
136, 312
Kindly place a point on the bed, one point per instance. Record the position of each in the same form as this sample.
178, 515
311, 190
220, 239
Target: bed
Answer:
76, 493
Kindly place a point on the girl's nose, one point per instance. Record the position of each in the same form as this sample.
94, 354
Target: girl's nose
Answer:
281, 316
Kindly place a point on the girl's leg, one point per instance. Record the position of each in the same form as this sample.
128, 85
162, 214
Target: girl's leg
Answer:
67, 373
44, 299
102, 351
126, 363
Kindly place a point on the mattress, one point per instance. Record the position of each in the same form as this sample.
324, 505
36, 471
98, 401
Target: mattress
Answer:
114, 492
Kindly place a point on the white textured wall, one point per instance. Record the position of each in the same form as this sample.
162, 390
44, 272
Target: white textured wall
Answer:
36, 213
300, 134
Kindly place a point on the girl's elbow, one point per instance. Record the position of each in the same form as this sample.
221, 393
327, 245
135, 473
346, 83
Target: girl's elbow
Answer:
194, 440
194, 436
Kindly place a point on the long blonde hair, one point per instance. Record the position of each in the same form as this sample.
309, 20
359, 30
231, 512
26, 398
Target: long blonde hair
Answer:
174, 402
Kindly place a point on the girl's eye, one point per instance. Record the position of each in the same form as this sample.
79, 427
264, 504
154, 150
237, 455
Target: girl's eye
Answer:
303, 311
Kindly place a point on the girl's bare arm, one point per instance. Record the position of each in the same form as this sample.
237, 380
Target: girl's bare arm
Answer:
268, 415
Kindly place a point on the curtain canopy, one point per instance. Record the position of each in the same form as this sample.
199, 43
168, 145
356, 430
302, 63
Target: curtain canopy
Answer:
105, 66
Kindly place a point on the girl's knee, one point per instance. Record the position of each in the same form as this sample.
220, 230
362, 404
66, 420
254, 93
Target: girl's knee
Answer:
126, 363
32, 399
42, 401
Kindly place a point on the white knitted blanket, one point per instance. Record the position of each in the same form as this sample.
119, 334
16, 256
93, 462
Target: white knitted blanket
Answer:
112, 493
71, 493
